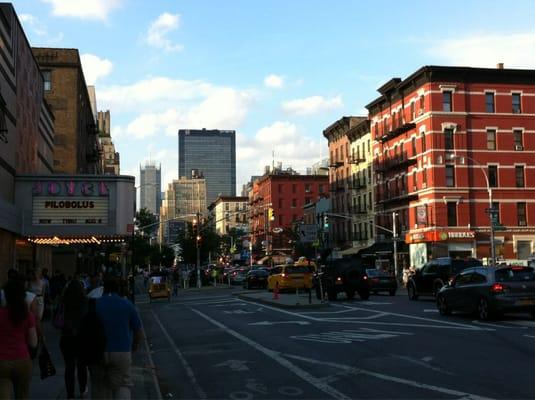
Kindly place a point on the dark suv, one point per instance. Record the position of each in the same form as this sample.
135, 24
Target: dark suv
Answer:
429, 279
346, 275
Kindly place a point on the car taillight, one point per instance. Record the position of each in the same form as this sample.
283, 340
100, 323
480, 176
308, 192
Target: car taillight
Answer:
339, 279
283, 275
498, 288
365, 277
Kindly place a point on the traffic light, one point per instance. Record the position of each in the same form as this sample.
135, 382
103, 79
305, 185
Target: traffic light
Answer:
325, 221
271, 216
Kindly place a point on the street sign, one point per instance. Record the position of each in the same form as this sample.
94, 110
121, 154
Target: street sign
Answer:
308, 233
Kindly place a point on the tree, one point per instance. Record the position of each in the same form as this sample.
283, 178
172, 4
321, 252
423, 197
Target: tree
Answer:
146, 222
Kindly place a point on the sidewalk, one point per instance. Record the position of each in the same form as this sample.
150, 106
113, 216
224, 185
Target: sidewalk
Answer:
54, 388
285, 300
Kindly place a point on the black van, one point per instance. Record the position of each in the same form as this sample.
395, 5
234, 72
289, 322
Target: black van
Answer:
429, 279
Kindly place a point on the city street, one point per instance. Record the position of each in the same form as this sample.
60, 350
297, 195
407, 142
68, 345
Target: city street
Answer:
210, 344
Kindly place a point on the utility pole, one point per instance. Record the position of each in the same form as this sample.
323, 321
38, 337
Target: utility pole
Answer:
395, 242
198, 240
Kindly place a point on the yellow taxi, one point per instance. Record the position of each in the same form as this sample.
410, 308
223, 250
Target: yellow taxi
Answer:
309, 263
159, 287
290, 276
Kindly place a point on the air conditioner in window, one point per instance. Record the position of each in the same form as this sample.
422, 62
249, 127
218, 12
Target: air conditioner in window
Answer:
519, 147
424, 185
420, 112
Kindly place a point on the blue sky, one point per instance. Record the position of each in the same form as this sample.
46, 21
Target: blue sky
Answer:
277, 71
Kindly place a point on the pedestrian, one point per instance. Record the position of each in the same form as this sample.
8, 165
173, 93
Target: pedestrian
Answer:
74, 309
214, 276
111, 378
145, 277
37, 287
18, 337
176, 281
185, 277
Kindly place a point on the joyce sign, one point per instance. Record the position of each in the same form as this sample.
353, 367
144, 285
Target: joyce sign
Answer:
70, 203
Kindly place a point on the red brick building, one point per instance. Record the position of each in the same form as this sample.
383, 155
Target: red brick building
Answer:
443, 136
286, 193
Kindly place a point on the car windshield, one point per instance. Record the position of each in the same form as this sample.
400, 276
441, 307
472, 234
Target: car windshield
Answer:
297, 269
515, 274
259, 272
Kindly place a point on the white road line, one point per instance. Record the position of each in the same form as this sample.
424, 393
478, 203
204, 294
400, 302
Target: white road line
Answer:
421, 363
151, 363
406, 324
530, 336
294, 314
317, 383
402, 381
497, 325
431, 310
531, 324
200, 392
466, 326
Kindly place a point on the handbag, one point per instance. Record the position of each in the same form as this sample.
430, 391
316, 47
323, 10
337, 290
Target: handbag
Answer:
59, 317
46, 366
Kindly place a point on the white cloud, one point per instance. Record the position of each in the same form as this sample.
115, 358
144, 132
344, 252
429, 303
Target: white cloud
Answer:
95, 67
290, 146
164, 105
274, 81
312, 105
158, 30
486, 50
83, 9
32, 24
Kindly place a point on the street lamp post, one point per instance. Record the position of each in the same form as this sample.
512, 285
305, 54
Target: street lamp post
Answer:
490, 210
395, 245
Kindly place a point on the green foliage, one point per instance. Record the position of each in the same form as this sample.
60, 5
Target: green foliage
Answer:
209, 244
146, 222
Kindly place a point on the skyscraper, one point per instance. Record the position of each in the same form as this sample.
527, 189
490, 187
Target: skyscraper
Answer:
213, 154
150, 188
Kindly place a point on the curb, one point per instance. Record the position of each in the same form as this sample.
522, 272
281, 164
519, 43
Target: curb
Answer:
152, 366
280, 305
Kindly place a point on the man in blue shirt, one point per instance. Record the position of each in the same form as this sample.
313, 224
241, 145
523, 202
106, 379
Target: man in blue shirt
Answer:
112, 379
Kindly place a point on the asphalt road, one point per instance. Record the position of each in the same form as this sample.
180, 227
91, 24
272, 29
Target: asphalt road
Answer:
209, 344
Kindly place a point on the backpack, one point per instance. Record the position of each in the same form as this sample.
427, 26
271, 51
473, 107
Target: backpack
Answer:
91, 336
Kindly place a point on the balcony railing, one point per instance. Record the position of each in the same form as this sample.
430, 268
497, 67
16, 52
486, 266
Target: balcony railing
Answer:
395, 162
356, 159
398, 131
336, 164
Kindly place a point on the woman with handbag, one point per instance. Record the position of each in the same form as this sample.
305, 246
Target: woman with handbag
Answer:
17, 336
74, 307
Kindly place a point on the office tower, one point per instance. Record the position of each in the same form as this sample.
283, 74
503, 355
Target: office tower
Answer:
213, 154
150, 187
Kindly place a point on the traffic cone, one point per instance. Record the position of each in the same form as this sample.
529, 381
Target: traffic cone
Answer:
276, 291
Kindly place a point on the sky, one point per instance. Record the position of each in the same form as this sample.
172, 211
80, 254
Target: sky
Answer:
276, 71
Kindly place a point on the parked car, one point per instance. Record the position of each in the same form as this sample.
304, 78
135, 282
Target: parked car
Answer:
342, 275
289, 276
237, 276
256, 278
429, 279
381, 281
489, 292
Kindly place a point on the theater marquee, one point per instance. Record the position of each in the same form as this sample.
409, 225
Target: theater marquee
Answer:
76, 206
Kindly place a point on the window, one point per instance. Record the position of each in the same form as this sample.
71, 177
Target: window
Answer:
521, 214
321, 188
496, 206
413, 112
399, 117
294, 203
519, 175
489, 102
493, 175
424, 147
452, 213
413, 143
516, 103
450, 175
308, 200
385, 131
294, 188
307, 188
491, 139
369, 148
393, 122
370, 200
422, 104
47, 80
424, 177
448, 139
517, 137
446, 101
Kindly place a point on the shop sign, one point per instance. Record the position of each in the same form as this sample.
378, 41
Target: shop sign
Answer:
421, 215
417, 236
457, 235
70, 188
